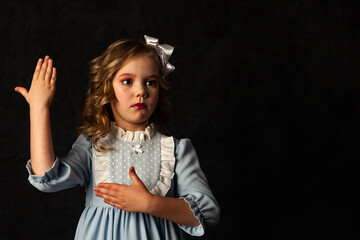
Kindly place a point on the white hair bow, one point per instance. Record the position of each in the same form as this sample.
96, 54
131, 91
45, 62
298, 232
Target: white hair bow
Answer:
164, 51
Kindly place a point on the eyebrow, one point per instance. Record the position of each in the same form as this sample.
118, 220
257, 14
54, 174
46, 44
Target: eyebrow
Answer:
130, 74
126, 74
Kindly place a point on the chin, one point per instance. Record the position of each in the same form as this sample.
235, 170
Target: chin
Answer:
139, 121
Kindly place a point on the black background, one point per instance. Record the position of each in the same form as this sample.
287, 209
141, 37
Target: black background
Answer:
268, 92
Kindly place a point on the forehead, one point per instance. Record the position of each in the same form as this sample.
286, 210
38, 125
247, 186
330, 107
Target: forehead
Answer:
144, 63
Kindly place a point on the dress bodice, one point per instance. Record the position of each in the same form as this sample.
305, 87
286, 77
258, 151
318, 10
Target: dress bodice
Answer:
149, 152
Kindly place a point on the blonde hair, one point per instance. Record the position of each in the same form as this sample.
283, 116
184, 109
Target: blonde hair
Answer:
96, 113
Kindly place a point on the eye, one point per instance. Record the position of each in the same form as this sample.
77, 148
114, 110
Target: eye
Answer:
151, 83
126, 81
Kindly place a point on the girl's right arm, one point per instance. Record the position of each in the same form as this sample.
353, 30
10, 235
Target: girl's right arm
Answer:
39, 98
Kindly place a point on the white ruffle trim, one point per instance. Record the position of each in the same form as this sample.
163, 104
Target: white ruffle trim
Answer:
137, 136
167, 165
100, 165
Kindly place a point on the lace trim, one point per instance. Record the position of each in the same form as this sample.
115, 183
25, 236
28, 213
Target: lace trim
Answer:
137, 136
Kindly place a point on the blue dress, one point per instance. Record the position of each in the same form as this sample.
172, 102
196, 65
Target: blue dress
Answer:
167, 166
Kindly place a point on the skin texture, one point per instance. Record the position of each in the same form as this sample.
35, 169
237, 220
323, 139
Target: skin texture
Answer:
135, 82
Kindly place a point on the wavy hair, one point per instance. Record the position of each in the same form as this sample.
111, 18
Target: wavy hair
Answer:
96, 113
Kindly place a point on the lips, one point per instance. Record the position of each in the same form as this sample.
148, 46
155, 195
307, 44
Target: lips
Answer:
139, 105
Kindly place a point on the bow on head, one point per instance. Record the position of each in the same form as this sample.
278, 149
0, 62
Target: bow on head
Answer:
164, 51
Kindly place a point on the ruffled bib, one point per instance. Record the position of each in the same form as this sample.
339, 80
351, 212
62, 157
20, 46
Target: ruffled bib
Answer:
150, 152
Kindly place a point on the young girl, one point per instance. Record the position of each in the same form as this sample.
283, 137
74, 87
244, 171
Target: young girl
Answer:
123, 119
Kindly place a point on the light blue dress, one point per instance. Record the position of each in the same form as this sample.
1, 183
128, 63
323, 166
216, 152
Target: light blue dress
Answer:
167, 166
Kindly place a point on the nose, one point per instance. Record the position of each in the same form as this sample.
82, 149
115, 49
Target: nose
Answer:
141, 91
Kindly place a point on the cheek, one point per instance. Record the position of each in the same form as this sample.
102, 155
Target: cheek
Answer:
155, 98
120, 96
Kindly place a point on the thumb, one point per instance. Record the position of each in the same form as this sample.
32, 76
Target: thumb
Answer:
134, 176
22, 91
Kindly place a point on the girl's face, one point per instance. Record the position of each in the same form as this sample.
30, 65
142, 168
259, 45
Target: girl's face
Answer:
136, 88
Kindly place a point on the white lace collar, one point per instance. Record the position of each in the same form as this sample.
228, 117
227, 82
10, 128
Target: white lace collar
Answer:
137, 136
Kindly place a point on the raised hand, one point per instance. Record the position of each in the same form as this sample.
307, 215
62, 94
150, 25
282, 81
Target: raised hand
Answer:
40, 97
42, 90
131, 198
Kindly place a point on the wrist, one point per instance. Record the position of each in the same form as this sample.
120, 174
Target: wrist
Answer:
150, 204
38, 108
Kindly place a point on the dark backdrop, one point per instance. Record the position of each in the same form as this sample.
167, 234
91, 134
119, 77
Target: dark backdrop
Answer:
266, 90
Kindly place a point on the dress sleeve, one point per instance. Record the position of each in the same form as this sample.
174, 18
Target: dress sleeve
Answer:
67, 172
192, 186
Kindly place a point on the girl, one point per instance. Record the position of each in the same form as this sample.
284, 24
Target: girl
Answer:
123, 119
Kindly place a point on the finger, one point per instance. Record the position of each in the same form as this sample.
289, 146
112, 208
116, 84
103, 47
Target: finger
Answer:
113, 204
53, 76
105, 191
37, 69
112, 186
134, 176
22, 91
107, 197
49, 69
44, 68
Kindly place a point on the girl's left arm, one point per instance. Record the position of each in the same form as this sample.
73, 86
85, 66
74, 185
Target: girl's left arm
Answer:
174, 209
